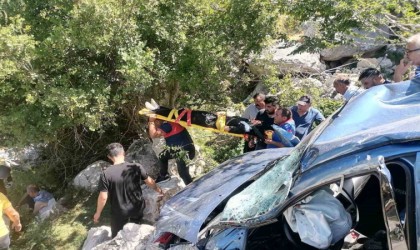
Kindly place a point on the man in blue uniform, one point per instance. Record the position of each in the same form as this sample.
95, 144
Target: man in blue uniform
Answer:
284, 130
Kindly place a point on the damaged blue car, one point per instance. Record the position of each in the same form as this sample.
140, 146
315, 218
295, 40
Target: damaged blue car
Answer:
353, 183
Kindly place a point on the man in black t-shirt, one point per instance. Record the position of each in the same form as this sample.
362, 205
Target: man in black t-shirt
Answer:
263, 121
122, 184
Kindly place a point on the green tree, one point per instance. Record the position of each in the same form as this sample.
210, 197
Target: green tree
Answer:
98, 59
337, 22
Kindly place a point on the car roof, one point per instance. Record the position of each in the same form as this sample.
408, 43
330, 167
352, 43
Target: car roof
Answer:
382, 115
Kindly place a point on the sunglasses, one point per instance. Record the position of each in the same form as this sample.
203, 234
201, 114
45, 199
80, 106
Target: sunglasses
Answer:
411, 50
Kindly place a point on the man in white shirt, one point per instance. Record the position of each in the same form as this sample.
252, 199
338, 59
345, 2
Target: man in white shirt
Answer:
250, 113
343, 87
252, 110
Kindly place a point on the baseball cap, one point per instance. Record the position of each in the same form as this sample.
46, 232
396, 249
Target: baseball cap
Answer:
304, 100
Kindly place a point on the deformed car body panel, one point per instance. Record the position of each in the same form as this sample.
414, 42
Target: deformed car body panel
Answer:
394, 227
396, 238
351, 165
185, 213
381, 115
329, 169
230, 238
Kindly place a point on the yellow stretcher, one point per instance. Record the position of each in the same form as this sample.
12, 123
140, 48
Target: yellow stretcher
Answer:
175, 117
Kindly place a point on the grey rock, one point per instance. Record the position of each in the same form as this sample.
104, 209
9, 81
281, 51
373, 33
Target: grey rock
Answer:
89, 177
281, 56
310, 29
381, 62
365, 42
22, 157
154, 202
260, 88
131, 237
141, 151
96, 236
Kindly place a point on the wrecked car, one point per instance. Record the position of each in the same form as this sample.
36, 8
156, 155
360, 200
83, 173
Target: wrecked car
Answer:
351, 184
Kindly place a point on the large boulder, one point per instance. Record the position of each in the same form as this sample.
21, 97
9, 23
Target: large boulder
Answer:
365, 42
96, 236
382, 62
155, 202
142, 151
23, 157
131, 237
280, 54
89, 177
196, 168
260, 88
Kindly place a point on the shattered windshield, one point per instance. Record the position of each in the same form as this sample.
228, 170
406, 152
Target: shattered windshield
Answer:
256, 202
265, 193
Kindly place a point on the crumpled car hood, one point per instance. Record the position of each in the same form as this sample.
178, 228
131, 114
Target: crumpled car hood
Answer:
184, 214
381, 115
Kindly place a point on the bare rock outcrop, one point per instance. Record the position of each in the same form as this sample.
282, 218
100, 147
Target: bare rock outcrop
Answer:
131, 237
88, 178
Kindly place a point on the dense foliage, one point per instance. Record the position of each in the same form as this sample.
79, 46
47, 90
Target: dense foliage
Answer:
79, 64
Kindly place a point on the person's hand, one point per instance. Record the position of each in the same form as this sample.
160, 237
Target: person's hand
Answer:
268, 141
255, 122
401, 69
17, 227
152, 117
96, 217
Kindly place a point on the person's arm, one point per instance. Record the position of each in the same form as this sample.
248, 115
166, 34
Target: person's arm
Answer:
153, 131
319, 117
277, 144
401, 69
152, 184
102, 198
14, 217
23, 199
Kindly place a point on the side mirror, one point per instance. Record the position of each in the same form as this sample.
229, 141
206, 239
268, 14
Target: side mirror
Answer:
394, 228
